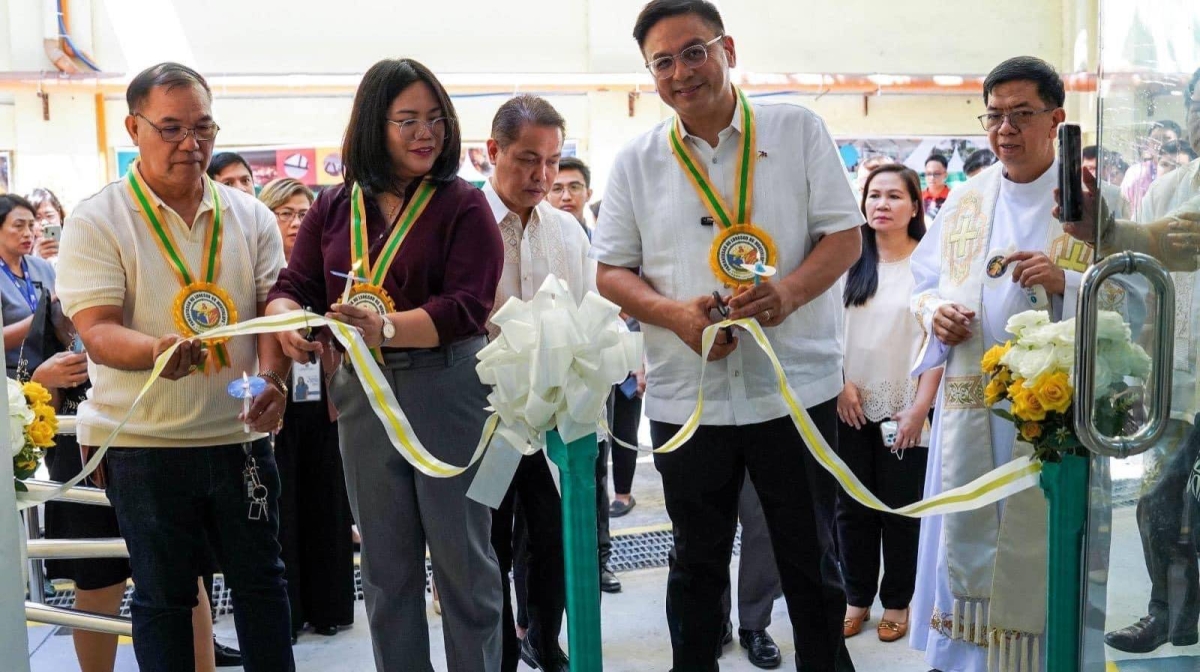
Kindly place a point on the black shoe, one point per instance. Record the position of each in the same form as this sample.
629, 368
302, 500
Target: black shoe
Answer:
726, 638
609, 583
532, 658
618, 508
228, 656
325, 630
1147, 635
760, 648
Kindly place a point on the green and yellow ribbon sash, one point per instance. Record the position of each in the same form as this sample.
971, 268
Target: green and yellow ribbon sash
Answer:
743, 185
360, 247
210, 264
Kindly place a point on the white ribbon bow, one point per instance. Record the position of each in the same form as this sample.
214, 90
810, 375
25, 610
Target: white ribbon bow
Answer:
554, 364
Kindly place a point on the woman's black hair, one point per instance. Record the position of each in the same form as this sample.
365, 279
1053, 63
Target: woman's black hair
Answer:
365, 157
863, 278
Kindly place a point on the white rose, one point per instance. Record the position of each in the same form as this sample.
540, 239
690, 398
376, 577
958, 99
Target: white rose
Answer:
1017, 324
19, 416
1111, 326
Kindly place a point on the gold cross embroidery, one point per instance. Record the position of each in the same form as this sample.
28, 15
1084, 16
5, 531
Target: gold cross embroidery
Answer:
963, 237
1076, 256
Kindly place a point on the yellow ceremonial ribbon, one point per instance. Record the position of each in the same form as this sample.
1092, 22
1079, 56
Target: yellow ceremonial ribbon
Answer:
997, 484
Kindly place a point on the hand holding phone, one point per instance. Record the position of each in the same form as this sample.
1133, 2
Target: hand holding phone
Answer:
1070, 173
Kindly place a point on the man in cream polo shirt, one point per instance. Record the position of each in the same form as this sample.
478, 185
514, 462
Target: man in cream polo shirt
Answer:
651, 218
178, 474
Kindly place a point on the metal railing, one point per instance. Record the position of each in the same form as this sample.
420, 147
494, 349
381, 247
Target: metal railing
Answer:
40, 549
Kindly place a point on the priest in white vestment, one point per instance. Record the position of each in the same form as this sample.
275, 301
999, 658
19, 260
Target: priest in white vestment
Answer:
981, 582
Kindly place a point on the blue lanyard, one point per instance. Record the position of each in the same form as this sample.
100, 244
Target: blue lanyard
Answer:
26, 287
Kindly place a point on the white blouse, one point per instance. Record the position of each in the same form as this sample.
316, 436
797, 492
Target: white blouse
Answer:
882, 340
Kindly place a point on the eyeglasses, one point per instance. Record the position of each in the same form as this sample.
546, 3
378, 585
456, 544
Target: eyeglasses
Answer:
204, 132
287, 214
438, 128
994, 120
576, 188
692, 57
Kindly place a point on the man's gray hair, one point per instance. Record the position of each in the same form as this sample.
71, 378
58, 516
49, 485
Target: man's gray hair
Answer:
524, 109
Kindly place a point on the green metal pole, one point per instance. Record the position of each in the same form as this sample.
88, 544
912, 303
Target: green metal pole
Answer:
1066, 486
577, 476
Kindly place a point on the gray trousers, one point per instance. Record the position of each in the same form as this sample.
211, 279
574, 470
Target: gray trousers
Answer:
399, 510
758, 577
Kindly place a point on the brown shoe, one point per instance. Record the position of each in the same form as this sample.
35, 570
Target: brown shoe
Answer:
853, 626
890, 631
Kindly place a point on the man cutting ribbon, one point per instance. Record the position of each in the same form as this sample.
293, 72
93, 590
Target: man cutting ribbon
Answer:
770, 181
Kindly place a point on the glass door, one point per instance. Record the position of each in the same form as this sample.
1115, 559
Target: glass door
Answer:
1141, 597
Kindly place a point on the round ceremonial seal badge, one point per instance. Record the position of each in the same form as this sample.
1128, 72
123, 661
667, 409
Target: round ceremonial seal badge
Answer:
738, 245
371, 297
203, 306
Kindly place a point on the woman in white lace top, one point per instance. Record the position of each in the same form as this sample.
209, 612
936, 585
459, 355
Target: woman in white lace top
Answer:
881, 343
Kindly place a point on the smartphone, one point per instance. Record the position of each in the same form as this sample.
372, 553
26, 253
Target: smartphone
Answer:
77, 345
52, 232
1070, 172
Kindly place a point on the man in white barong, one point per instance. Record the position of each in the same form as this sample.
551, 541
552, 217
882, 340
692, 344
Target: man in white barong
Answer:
981, 580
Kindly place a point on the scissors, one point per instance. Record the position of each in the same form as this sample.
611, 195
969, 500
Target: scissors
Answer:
310, 335
723, 309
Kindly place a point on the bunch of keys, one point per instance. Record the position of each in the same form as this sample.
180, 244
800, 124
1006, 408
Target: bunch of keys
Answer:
256, 492
723, 309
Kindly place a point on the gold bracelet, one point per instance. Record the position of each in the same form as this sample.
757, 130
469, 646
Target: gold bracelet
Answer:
276, 380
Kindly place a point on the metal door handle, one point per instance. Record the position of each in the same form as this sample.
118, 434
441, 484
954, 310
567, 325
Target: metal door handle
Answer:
1162, 356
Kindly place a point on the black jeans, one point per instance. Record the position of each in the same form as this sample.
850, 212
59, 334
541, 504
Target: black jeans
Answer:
546, 584
626, 416
701, 484
1166, 517
168, 501
861, 531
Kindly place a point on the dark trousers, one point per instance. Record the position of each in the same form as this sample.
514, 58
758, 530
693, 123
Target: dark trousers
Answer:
1166, 517
314, 512
862, 531
167, 501
546, 585
626, 416
701, 485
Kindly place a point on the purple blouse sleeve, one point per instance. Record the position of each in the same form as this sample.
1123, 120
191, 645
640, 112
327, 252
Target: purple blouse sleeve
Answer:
303, 279
474, 260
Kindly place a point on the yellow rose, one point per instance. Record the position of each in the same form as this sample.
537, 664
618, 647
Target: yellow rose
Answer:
26, 466
991, 359
35, 393
1004, 375
1030, 430
1025, 404
995, 392
41, 434
1053, 391
45, 413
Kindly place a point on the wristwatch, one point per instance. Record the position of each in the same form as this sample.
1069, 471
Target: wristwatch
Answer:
389, 330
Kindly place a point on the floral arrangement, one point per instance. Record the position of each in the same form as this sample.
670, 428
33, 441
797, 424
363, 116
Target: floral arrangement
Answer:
1034, 373
32, 427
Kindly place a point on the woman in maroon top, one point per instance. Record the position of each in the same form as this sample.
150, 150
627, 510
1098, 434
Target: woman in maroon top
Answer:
401, 155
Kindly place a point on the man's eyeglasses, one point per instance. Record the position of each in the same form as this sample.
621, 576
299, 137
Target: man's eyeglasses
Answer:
287, 214
692, 57
994, 120
576, 189
438, 128
203, 132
